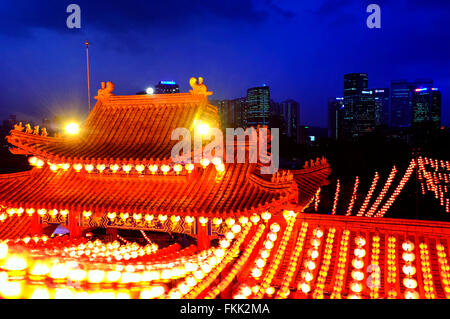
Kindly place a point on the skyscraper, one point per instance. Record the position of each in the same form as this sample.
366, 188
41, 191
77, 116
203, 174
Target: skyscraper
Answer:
258, 106
289, 111
403, 98
231, 112
335, 106
426, 106
166, 87
381, 99
358, 114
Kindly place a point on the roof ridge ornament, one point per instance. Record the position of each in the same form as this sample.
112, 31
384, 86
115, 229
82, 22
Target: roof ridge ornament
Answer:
106, 91
198, 88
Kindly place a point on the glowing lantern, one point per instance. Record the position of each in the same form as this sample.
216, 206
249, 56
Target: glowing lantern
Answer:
124, 216
408, 257
204, 162
409, 270
89, 168
32, 160
268, 244
216, 160
189, 219
304, 287
39, 163
64, 212
236, 228
275, 227
100, 167
53, 167
356, 287
140, 168
53, 212
217, 221
30, 211
271, 236
266, 216
243, 220
357, 263
203, 220
189, 167
360, 252
77, 167
360, 241
220, 167
126, 168
165, 169
137, 216
96, 276
175, 219
148, 218
114, 168
408, 246
256, 273
230, 222
153, 168
112, 215
41, 212
177, 168
224, 244
229, 235
357, 275
254, 219
260, 263
410, 283
162, 218
87, 214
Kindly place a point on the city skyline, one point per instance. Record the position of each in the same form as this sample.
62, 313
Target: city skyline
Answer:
296, 49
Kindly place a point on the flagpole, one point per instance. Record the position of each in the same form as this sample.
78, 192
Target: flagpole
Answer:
89, 87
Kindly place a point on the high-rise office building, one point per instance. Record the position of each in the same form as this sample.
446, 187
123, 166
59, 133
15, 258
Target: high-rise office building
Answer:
231, 112
335, 106
426, 106
358, 113
257, 106
289, 111
407, 104
166, 87
381, 100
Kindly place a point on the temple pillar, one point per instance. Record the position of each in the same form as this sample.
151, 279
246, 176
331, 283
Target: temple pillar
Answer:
203, 241
74, 228
36, 226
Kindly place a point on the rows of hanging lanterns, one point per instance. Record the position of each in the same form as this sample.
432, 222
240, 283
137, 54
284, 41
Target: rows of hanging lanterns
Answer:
282, 292
323, 272
237, 267
427, 277
356, 285
341, 265
153, 169
373, 185
383, 192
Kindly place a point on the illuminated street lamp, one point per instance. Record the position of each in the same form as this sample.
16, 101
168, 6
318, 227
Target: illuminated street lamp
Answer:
150, 90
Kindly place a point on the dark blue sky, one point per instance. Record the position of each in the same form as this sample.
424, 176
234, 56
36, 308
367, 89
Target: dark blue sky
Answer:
301, 49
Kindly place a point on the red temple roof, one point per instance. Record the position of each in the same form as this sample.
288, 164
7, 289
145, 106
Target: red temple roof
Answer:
122, 129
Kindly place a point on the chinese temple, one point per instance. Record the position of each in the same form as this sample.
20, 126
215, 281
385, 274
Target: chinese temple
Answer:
252, 236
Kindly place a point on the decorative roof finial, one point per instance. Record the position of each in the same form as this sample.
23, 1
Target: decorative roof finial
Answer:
198, 87
106, 91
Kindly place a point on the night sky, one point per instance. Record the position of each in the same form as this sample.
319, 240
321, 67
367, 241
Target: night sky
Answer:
301, 49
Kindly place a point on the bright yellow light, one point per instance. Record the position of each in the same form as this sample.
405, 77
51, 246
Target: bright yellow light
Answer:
72, 128
202, 128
